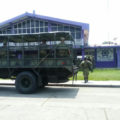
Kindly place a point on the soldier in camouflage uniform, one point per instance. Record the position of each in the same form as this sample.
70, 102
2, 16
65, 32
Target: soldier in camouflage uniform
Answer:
43, 51
64, 50
86, 66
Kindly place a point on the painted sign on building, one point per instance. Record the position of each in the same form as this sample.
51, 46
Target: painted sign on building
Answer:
86, 35
105, 54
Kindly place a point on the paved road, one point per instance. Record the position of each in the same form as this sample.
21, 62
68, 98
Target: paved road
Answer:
60, 103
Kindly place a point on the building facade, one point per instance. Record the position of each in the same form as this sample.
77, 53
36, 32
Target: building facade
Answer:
32, 23
104, 57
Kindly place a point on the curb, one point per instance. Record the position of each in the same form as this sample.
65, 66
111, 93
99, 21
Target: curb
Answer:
84, 85
72, 84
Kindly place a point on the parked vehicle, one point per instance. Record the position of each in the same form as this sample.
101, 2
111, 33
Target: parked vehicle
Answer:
34, 60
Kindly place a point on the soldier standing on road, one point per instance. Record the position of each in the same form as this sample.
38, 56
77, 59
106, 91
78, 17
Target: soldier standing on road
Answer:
86, 65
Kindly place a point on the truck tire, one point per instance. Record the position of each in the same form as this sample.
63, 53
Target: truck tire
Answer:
43, 84
26, 82
44, 81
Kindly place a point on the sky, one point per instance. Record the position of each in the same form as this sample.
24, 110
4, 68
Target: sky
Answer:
102, 15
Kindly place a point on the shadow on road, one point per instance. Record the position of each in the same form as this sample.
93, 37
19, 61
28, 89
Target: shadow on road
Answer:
47, 92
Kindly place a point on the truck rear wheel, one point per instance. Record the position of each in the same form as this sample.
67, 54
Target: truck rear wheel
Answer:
26, 82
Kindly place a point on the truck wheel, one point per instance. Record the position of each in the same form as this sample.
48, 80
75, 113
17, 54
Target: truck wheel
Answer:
26, 82
43, 82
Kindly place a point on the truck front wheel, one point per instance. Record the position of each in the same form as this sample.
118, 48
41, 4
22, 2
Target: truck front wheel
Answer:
26, 82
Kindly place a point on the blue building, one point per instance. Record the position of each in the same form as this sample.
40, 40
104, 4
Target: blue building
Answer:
33, 23
105, 57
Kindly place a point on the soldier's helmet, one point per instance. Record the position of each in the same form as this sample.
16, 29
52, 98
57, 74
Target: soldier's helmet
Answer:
62, 39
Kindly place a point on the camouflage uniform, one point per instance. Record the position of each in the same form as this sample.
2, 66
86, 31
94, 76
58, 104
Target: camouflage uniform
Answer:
86, 66
43, 51
63, 49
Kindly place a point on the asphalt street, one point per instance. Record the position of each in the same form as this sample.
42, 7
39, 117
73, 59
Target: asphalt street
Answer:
60, 103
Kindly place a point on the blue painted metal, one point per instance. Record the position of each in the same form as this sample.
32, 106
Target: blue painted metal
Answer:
49, 27
14, 19
83, 50
12, 30
25, 15
83, 53
118, 57
95, 57
82, 36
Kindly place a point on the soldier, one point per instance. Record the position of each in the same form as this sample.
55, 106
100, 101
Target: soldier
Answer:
62, 41
63, 49
43, 42
43, 51
86, 66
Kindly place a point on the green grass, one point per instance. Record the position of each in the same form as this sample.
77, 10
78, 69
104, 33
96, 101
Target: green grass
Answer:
101, 75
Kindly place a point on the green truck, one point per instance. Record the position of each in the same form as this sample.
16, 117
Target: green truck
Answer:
34, 60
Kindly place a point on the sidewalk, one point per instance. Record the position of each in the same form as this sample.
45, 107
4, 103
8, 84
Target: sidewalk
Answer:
80, 83
76, 83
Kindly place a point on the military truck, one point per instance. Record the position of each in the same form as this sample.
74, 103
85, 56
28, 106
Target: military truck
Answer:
34, 60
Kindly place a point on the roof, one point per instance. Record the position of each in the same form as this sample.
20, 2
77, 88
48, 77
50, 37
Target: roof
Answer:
52, 19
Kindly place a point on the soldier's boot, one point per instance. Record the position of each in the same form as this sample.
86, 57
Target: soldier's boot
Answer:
85, 79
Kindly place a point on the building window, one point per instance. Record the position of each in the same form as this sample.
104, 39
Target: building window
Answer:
24, 30
41, 23
32, 30
37, 30
19, 31
4, 32
28, 30
32, 23
28, 23
78, 35
72, 29
24, 24
66, 28
41, 29
60, 27
46, 24
8, 31
15, 26
37, 23
19, 25
54, 27
46, 29
78, 29
73, 35
15, 31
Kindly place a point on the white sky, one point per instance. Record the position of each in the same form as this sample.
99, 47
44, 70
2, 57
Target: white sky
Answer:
102, 15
